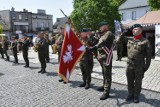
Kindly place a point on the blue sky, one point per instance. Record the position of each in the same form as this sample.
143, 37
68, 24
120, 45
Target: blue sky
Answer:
51, 6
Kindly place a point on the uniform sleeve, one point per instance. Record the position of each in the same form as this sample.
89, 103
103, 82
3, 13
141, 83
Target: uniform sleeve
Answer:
103, 39
148, 56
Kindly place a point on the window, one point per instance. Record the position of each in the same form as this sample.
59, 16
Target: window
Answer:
13, 15
37, 24
133, 15
20, 17
26, 18
123, 16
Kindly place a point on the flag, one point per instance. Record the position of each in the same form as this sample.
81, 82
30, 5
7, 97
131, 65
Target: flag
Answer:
117, 26
72, 51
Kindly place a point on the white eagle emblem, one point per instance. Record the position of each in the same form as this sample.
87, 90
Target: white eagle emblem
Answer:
68, 54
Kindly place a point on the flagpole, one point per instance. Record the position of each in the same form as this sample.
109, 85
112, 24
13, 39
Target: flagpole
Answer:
69, 21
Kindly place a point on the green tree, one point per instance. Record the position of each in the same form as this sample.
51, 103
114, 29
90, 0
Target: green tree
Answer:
1, 28
154, 4
88, 13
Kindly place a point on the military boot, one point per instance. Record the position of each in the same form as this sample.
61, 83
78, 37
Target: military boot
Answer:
129, 97
82, 85
87, 86
43, 71
104, 96
40, 71
136, 99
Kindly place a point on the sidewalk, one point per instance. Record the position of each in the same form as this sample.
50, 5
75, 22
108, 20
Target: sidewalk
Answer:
151, 79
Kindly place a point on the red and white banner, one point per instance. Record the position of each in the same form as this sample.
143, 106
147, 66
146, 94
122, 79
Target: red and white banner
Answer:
72, 51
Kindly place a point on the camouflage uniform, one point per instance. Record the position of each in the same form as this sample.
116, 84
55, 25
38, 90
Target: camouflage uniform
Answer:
59, 45
139, 58
105, 41
86, 63
119, 46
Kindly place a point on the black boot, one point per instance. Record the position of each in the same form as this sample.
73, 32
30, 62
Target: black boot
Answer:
104, 96
60, 80
82, 85
136, 99
43, 71
40, 71
87, 86
100, 88
129, 97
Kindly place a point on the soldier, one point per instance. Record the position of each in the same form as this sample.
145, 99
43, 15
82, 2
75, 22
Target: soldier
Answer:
25, 46
86, 62
59, 45
47, 47
41, 48
119, 46
5, 46
105, 47
1, 49
14, 49
139, 58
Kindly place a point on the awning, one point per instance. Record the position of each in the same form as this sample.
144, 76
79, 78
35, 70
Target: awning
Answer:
151, 18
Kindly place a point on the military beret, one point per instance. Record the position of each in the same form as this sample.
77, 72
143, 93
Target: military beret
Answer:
103, 23
136, 25
85, 30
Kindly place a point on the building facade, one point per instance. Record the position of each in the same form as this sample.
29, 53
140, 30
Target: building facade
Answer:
132, 10
42, 22
19, 22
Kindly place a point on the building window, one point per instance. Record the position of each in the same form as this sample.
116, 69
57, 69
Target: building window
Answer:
26, 17
37, 24
123, 16
13, 15
20, 17
134, 15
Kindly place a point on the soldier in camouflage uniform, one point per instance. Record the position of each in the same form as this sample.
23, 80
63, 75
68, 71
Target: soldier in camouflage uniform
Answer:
139, 58
119, 46
86, 62
105, 46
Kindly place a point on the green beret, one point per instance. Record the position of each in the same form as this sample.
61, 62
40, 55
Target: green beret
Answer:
103, 23
85, 30
136, 25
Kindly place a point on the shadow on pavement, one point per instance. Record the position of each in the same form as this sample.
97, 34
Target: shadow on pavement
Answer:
34, 67
118, 67
122, 94
1, 74
75, 84
51, 74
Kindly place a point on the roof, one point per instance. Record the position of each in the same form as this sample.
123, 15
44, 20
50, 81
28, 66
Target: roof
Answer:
60, 23
150, 18
133, 4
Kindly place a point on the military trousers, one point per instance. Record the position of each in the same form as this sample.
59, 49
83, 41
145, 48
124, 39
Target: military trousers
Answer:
134, 75
15, 56
2, 54
86, 69
107, 75
42, 60
5, 52
25, 57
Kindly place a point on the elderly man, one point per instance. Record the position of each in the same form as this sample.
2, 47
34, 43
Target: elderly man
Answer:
139, 58
105, 47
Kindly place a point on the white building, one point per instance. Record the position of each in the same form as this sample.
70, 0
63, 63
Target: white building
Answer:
132, 10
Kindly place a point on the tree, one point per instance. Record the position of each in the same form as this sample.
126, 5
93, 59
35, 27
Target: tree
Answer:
154, 4
88, 13
1, 28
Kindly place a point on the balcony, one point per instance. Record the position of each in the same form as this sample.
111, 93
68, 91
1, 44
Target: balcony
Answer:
42, 29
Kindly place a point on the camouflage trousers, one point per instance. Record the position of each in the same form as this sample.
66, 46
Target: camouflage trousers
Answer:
107, 75
86, 69
134, 75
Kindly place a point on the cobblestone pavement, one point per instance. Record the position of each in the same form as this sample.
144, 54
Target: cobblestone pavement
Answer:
24, 87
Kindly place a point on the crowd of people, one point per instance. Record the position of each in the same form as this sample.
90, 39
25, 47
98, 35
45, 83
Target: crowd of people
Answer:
99, 46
